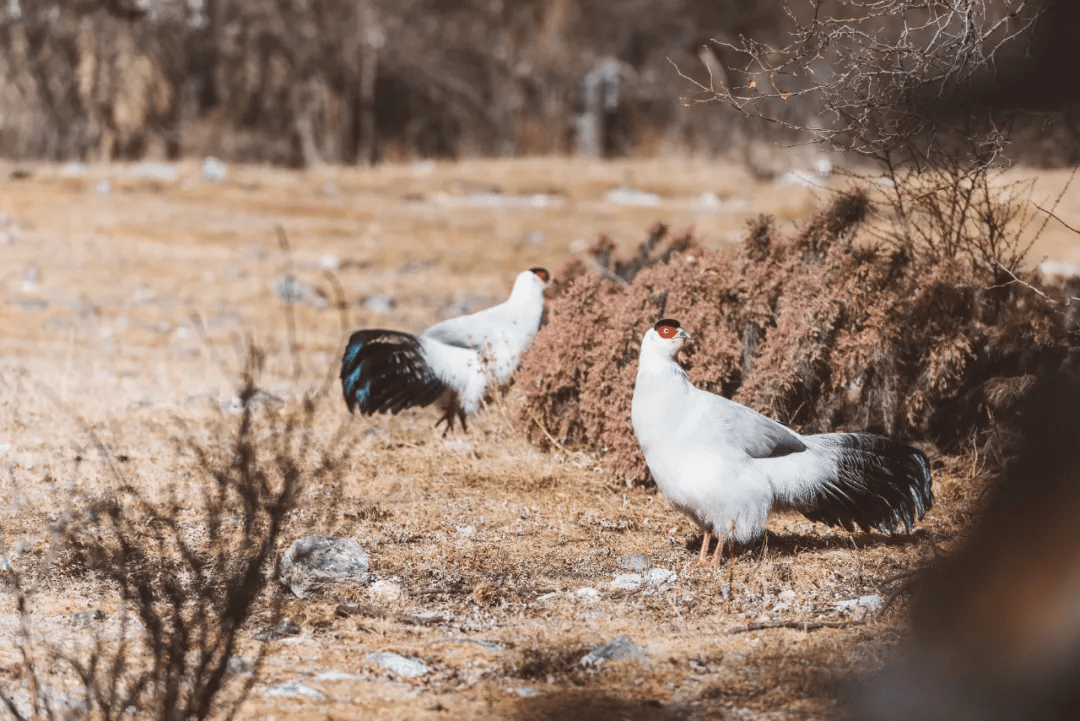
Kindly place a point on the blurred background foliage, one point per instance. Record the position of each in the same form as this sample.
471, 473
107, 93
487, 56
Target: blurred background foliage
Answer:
305, 82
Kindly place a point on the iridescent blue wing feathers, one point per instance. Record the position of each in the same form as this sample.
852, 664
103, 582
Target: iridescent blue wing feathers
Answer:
384, 370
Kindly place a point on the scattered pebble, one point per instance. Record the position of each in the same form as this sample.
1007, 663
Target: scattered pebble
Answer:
31, 276
90, 614
74, 170
631, 196
525, 692
661, 576
618, 649
871, 601
293, 688
587, 593
385, 592
315, 561
338, 676
627, 581
214, 170
489, 199
379, 303
403, 666
291, 290
102, 187
547, 596
155, 171
329, 262
635, 562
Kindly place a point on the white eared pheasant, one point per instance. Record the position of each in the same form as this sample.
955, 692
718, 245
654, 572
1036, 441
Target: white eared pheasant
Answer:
451, 363
726, 466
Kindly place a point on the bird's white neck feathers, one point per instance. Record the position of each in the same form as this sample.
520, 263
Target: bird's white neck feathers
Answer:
528, 290
658, 356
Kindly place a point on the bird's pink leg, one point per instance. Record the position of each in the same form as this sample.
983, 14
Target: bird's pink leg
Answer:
703, 556
718, 554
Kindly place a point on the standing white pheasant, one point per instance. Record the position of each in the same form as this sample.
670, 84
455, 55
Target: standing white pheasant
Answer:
726, 466
451, 363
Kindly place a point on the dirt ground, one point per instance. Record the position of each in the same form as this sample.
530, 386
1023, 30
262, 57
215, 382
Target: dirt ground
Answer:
126, 293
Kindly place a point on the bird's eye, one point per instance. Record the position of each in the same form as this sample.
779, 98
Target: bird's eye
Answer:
541, 273
666, 331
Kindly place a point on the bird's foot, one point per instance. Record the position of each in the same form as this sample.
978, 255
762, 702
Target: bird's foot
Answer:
448, 419
703, 556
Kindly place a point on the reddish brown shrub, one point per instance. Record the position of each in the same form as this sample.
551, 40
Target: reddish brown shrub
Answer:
822, 331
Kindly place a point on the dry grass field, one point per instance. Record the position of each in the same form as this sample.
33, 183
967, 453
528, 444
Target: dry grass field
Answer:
126, 300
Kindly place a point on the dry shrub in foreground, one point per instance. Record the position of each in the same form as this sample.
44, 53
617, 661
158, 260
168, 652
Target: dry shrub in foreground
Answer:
928, 342
189, 581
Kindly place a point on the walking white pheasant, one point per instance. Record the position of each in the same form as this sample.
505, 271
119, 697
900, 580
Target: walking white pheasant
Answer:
726, 466
452, 363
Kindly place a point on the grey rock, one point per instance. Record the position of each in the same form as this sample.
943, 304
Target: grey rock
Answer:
155, 171
90, 614
5, 238
214, 170
660, 576
102, 187
291, 290
526, 692
74, 170
617, 650
294, 688
338, 676
403, 666
587, 593
635, 562
315, 561
871, 601
631, 196
627, 581
380, 303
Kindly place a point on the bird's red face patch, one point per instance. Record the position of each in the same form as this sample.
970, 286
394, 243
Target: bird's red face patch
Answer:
542, 274
667, 328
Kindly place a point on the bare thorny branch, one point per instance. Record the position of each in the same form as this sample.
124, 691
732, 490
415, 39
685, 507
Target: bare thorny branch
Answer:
870, 68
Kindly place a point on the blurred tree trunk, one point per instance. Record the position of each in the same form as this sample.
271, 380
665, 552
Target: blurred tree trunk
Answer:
217, 12
371, 40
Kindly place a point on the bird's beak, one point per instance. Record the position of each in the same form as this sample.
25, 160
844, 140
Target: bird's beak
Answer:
684, 335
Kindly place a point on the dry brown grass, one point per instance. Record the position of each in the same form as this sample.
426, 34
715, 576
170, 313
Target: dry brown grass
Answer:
114, 270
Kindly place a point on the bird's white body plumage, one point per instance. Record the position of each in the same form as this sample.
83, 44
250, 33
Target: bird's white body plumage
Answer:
725, 465
472, 351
